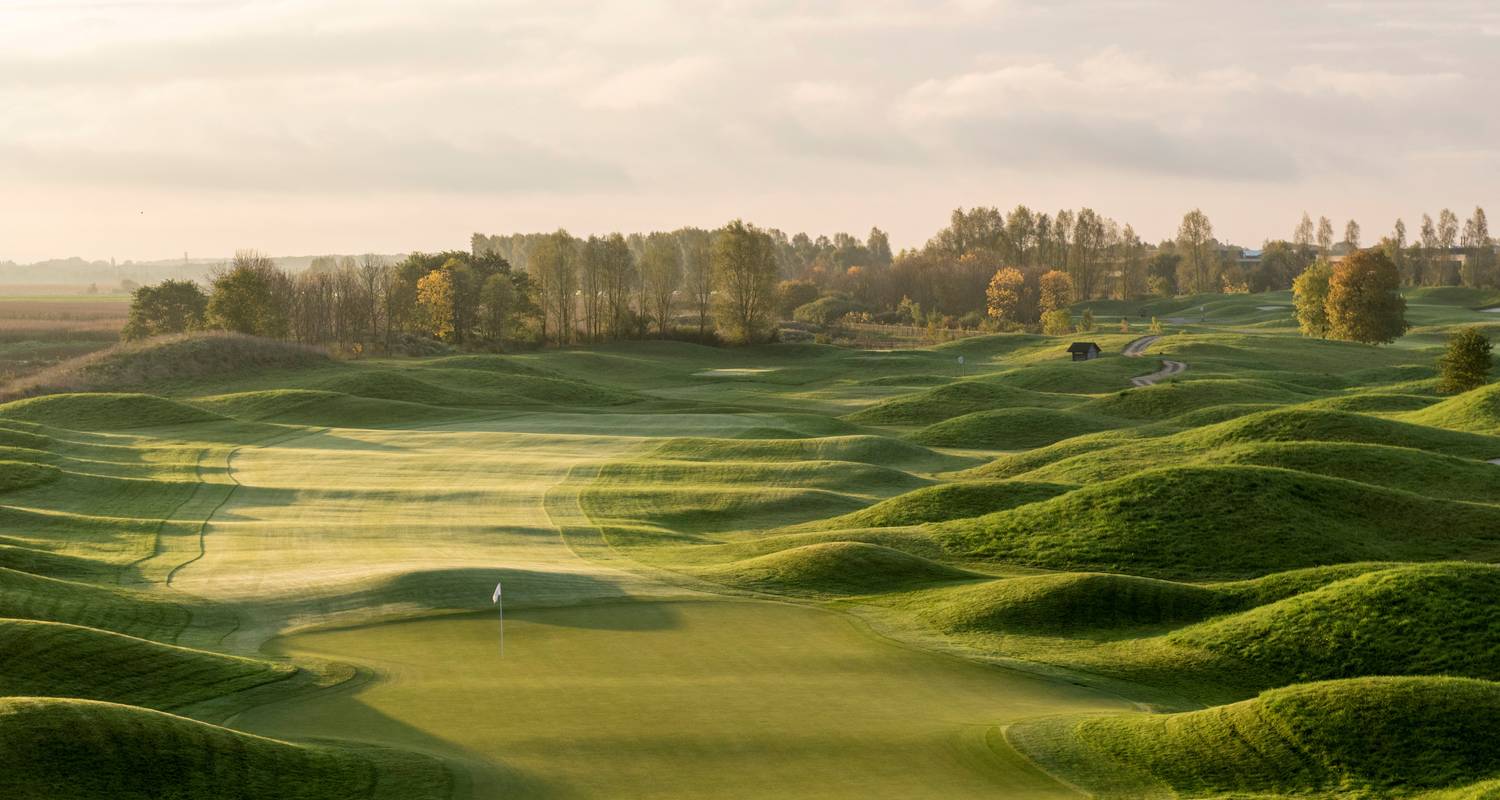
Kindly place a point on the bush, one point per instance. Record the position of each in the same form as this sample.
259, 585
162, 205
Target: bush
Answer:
1057, 323
1466, 365
826, 311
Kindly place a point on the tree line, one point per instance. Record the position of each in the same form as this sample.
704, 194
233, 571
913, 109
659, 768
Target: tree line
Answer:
688, 284
986, 268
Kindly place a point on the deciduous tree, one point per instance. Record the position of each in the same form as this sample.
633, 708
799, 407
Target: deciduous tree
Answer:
172, 306
745, 271
1004, 294
1364, 299
1310, 299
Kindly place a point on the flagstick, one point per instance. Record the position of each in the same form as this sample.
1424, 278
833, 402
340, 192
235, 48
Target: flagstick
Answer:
500, 607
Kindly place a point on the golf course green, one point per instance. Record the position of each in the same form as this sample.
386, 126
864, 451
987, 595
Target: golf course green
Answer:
774, 571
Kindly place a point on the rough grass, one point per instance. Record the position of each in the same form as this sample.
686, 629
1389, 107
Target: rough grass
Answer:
952, 400
1070, 602
105, 411
135, 613
148, 363
61, 749
1012, 428
1434, 619
1224, 522
1477, 411
834, 568
957, 500
55, 660
1368, 737
1174, 398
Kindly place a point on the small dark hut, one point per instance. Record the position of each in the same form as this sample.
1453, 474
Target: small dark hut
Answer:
1084, 351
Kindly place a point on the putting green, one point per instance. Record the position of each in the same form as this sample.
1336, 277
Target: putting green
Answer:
680, 699
614, 684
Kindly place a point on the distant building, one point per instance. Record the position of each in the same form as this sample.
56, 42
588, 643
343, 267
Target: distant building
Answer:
1084, 351
1249, 258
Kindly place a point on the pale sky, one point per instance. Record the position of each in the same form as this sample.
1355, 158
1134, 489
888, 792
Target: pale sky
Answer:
145, 128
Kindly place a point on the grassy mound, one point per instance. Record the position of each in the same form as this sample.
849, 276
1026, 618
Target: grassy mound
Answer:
81, 749
881, 450
168, 359
1436, 619
918, 379
1070, 602
947, 501
1377, 402
1371, 737
105, 411
312, 407
1012, 428
49, 659
843, 568
1227, 521
27, 596
952, 400
1313, 425
25, 474
503, 365
1477, 411
1174, 398
1402, 468
398, 386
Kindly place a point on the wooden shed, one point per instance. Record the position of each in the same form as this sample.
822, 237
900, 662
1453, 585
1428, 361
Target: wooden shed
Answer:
1084, 351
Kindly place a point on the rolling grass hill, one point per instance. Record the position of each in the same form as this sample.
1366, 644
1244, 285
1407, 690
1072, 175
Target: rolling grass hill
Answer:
1359, 737
165, 360
952, 400
105, 411
1226, 522
1477, 411
834, 568
1012, 428
1430, 619
957, 500
111, 608
49, 659
58, 749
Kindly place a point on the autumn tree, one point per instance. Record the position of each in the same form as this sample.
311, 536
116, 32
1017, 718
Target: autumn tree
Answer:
1466, 362
1364, 299
1195, 242
498, 305
1003, 295
1310, 299
1056, 290
172, 306
1351, 234
435, 303
745, 271
1057, 322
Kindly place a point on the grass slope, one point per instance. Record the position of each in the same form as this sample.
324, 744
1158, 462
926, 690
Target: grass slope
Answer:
55, 660
957, 500
107, 411
1224, 522
56, 749
1364, 737
834, 568
1012, 428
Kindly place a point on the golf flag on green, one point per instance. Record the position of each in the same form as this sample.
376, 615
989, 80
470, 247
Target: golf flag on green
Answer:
495, 598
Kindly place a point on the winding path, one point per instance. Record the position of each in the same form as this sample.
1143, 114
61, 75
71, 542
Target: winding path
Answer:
1137, 349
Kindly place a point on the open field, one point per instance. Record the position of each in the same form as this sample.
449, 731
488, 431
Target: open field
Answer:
789, 570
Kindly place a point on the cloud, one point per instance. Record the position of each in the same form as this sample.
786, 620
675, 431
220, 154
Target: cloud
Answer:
651, 85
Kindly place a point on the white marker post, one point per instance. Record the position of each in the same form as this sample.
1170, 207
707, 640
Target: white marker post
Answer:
501, 607
960, 366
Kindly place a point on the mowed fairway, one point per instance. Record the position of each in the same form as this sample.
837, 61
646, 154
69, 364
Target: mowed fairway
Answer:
606, 688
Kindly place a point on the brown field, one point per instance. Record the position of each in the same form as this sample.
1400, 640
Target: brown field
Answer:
40, 330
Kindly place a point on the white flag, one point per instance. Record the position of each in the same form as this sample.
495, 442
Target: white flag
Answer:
496, 597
